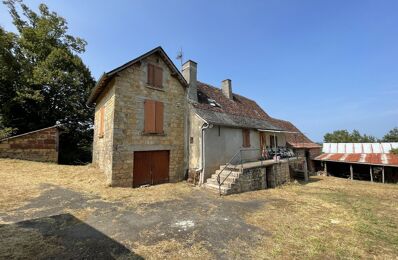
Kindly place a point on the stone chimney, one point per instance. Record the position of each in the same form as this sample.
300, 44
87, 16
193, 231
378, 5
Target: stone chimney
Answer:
189, 71
226, 86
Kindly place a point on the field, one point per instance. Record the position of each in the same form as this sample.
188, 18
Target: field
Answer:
49, 210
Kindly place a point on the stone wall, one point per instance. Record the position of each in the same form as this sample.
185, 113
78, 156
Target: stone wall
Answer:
251, 179
263, 177
103, 145
40, 145
278, 174
131, 90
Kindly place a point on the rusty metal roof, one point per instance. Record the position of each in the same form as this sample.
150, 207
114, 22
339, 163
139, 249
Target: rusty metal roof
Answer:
360, 153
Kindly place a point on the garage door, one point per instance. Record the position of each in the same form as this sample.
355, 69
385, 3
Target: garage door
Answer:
151, 167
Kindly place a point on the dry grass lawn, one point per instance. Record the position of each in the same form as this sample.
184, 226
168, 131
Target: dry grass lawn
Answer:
20, 181
326, 218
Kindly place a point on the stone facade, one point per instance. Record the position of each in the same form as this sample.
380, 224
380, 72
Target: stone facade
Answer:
40, 145
124, 122
103, 145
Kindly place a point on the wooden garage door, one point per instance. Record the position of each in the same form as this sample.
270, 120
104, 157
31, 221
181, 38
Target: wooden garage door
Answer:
151, 167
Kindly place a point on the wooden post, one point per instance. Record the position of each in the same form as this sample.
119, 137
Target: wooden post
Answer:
325, 169
382, 173
305, 170
371, 174
351, 172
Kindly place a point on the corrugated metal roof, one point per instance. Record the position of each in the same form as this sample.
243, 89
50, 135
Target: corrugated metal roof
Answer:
360, 153
358, 147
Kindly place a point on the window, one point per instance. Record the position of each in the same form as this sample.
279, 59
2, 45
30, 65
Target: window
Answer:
101, 123
155, 76
273, 142
153, 121
246, 137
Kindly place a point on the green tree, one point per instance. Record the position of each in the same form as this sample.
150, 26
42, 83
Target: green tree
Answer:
44, 81
391, 136
344, 136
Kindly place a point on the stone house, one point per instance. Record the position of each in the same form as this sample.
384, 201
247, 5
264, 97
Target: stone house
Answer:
155, 124
140, 122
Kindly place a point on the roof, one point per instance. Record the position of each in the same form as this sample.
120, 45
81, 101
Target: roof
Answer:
59, 126
294, 137
215, 108
106, 77
360, 153
244, 112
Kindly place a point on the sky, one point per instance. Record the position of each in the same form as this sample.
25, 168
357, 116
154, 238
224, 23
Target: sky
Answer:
323, 65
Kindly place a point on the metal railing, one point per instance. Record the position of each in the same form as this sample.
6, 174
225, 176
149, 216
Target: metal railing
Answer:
233, 161
263, 154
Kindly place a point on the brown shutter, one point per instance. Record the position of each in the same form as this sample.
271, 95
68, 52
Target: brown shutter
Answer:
150, 74
101, 124
158, 82
246, 137
159, 117
149, 113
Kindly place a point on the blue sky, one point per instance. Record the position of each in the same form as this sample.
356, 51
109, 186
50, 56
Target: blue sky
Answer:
323, 65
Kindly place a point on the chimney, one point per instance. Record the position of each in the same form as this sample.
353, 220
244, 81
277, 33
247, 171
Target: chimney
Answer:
226, 86
189, 71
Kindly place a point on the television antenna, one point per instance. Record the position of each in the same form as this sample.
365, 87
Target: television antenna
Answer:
180, 56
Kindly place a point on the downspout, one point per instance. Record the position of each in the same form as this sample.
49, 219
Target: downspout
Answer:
202, 153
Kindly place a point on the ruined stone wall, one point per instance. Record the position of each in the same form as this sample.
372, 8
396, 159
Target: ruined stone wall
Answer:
131, 90
40, 145
103, 145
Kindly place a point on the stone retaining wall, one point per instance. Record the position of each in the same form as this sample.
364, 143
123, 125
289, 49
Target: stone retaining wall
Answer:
40, 145
278, 174
259, 178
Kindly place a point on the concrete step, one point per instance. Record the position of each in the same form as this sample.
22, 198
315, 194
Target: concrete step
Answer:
214, 188
230, 178
226, 183
230, 167
226, 173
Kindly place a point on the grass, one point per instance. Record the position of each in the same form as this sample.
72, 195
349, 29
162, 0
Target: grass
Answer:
326, 218
20, 181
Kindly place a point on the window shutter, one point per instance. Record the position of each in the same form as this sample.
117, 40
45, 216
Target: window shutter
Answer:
150, 74
159, 117
158, 81
149, 116
101, 124
246, 137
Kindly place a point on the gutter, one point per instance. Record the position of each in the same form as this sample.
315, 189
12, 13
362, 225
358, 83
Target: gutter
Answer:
202, 153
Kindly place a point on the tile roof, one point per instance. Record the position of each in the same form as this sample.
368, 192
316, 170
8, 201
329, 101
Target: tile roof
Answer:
243, 112
294, 137
360, 153
106, 77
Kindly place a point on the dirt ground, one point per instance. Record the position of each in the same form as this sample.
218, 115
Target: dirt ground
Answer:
53, 211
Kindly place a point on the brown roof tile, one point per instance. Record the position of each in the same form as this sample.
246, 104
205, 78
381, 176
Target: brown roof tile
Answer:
243, 107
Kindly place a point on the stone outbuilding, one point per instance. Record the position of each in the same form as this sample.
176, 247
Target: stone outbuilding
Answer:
41, 145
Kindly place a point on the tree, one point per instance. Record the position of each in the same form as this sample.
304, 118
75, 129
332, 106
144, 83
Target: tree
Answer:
391, 136
344, 136
44, 81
